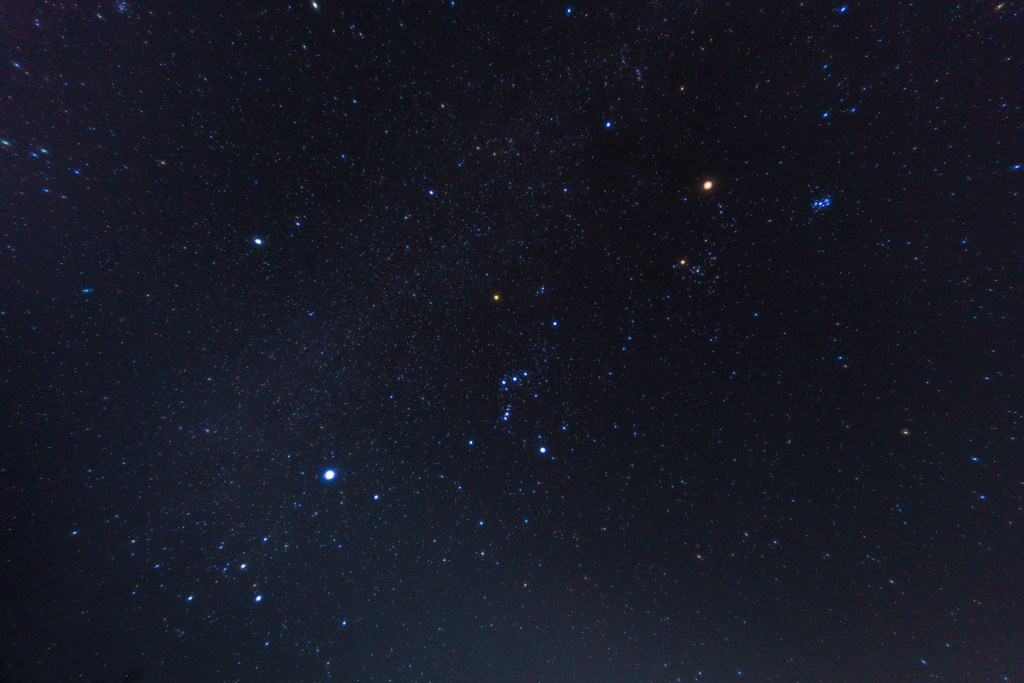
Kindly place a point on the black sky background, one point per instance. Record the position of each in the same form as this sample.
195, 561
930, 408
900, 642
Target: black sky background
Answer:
781, 418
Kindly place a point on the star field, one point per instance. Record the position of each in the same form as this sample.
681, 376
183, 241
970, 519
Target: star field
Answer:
450, 341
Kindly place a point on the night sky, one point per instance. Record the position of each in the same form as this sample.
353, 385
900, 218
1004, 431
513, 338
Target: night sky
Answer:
523, 341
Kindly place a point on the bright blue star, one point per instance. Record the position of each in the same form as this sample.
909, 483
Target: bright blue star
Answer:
329, 474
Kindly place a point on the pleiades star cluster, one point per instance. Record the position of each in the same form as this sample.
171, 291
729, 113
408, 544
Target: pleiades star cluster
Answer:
519, 341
